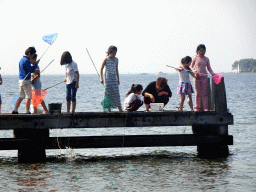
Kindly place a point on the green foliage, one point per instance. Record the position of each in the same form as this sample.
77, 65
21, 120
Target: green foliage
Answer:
245, 65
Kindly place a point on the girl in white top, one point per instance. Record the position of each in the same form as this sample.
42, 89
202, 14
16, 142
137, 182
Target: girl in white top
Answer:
184, 86
133, 99
72, 80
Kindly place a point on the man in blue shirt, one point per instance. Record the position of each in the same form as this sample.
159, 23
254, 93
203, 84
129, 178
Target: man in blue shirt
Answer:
25, 70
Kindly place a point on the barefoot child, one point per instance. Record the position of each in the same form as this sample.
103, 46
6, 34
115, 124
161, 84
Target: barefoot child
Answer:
111, 78
185, 87
199, 65
133, 100
36, 83
72, 79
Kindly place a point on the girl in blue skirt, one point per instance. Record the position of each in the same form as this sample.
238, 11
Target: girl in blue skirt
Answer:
184, 86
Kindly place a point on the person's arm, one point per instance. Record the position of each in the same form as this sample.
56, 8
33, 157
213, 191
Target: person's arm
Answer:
148, 91
193, 63
77, 80
101, 69
193, 74
179, 69
29, 68
37, 74
167, 91
209, 67
117, 73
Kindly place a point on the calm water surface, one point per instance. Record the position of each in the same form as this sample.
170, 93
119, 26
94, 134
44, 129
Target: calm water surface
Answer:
135, 169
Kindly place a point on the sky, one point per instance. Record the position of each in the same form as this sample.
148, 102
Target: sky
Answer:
149, 34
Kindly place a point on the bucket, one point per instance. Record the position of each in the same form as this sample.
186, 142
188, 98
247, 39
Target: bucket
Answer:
54, 108
156, 106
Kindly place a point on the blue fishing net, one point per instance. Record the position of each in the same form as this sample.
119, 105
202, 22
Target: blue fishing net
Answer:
50, 38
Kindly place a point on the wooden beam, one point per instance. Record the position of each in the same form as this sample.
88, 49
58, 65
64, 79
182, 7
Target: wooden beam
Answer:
114, 119
122, 141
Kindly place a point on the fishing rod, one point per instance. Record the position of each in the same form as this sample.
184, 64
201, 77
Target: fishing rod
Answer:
92, 62
186, 70
216, 77
54, 85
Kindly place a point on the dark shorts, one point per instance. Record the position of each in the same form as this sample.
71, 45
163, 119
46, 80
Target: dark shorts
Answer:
162, 99
71, 92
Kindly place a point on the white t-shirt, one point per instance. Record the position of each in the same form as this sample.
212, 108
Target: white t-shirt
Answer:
71, 69
184, 76
129, 99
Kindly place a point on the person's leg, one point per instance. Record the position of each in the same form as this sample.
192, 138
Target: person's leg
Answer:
120, 109
68, 96
204, 93
44, 107
35, 110
73, 106
28, 105
68, 106
18, 102
21, 97
190, 102
28, 92
182, 99
162, 99
147, 102
73, 96
198, 93
138, 103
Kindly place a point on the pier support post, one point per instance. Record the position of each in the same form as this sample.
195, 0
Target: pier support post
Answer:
33, 150
220, 106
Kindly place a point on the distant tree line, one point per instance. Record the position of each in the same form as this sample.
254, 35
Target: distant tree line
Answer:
245, 65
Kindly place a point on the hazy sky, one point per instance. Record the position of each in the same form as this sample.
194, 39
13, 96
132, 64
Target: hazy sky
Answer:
148, 34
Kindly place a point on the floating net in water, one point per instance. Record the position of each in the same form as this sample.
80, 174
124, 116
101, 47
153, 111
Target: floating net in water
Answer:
38, 96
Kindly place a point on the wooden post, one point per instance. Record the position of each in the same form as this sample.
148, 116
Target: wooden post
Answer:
219, 97
33, 150
220, 106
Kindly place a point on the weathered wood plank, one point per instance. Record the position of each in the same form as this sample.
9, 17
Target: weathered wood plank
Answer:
115, 119
121, 141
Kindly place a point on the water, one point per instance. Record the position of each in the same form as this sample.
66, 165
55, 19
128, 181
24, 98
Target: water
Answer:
135, 169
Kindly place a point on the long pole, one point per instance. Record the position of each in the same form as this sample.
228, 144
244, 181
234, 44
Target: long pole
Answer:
44, 52
54, 85
47, 66
92, 61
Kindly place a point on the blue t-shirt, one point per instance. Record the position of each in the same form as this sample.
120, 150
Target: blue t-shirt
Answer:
25, 68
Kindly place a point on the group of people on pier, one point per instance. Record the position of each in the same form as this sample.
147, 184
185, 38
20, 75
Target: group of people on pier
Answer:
158, 91
155, 92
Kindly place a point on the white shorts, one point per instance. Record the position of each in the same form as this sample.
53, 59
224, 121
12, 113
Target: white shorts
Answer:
25, 89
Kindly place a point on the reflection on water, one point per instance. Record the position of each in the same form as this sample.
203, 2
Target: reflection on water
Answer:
160, 171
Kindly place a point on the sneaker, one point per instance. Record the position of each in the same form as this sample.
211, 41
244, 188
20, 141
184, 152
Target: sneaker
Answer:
15, 112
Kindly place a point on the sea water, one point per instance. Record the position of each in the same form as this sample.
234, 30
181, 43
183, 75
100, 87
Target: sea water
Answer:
135, 169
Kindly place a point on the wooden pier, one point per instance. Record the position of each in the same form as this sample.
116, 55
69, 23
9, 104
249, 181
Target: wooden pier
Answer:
210, 130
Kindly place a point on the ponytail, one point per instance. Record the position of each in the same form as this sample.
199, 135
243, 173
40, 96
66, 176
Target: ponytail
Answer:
134, 88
